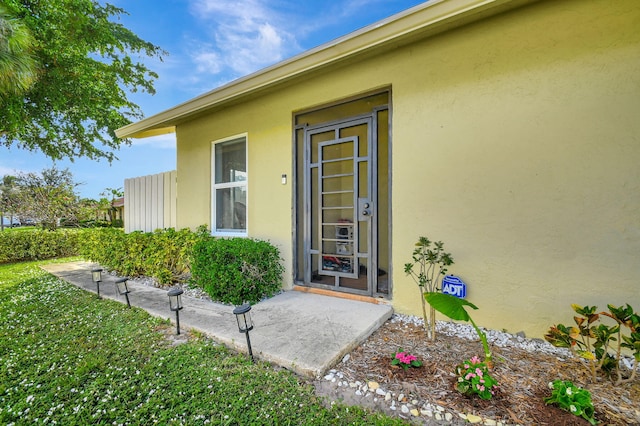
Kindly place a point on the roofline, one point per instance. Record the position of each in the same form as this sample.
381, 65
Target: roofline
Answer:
419, 21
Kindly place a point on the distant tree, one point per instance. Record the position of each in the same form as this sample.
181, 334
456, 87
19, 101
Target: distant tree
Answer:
49, 196
17, 63
109, 195
88, 210
8, 198
85, 64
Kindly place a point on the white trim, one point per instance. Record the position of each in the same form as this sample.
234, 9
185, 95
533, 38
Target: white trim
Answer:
214, 187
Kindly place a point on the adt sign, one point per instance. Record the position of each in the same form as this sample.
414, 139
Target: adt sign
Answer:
454, 286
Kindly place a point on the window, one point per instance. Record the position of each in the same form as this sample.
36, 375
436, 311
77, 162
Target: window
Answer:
229, 197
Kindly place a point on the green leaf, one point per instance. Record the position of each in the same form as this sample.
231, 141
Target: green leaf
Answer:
85, 61
450, 306
586, 355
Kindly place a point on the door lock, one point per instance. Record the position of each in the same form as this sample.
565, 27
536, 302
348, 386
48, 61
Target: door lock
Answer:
364, 209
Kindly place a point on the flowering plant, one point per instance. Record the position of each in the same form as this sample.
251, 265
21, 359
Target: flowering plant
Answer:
569, 397
473, 377
405, 360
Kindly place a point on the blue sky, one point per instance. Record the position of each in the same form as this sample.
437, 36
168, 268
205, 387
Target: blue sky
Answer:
210, 42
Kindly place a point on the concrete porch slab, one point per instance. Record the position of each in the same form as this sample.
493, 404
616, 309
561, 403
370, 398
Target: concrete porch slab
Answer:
304, 332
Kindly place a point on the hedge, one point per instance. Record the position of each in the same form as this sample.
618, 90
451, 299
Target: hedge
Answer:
234, 271
38, 244
163, 254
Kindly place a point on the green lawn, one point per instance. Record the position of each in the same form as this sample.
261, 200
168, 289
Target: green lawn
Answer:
69, 358
20, 229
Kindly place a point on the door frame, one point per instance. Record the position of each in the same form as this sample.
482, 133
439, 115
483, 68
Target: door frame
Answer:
304, 277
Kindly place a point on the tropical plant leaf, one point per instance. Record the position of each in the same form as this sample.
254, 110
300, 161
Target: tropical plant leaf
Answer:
586, 355
450, 306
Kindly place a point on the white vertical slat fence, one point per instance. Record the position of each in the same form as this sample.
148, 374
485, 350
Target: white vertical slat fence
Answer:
150, 202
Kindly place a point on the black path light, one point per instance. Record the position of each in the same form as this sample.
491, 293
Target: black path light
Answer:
175, 304
96, 274
123, 288
245, 324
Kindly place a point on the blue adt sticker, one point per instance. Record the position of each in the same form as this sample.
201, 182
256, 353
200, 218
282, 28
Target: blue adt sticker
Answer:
454, 286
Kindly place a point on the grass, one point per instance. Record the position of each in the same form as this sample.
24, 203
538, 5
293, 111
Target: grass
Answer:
20, 229
69, 358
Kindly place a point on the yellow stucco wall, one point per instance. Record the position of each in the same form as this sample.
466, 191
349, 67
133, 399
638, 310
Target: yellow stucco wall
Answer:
516, 141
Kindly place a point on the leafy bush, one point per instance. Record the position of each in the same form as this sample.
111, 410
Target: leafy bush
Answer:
164, 254
594, 341
37, 244
237, 270
474, 378
573, 399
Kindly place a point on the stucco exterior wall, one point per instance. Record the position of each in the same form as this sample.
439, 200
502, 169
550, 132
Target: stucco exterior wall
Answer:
515, 140
530, 139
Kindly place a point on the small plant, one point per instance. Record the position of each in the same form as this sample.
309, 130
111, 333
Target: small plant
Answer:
573, 399
405, 360
427, 269
592, 340
474, 378
453, 307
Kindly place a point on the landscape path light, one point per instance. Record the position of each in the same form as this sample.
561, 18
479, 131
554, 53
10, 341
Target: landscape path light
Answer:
175, 304
245, 324
96, 274
123, 288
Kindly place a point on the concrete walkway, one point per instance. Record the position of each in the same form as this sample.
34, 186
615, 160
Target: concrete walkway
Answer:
304, 332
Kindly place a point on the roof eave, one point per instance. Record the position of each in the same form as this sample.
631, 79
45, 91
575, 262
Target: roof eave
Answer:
418, 22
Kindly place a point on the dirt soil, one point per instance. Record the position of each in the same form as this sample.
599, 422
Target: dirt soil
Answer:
523, 379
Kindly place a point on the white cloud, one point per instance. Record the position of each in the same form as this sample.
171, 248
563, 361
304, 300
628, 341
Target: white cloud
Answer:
243, 36
247, 35
4, 171
24, 162
208, 61
248, 51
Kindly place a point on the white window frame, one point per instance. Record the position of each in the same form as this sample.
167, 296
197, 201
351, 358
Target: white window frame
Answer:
239, 184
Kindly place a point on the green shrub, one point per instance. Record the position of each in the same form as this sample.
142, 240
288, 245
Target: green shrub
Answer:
37, 244
595, 341
237, 270
105, 246
164, 254
573, 399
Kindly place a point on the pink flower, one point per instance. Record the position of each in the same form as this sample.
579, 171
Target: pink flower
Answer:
479, 372
405, 358
475, 359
